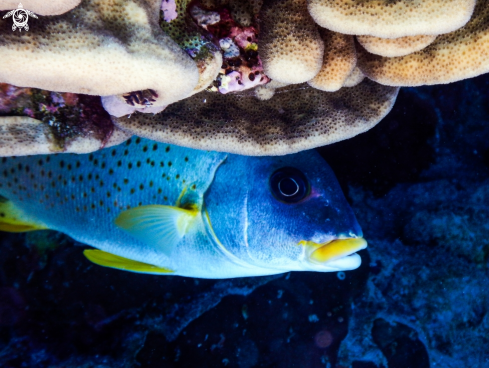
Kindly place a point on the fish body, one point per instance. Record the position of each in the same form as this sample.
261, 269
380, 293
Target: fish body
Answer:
159, 208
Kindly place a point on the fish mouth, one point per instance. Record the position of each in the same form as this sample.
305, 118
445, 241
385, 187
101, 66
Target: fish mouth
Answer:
335, 255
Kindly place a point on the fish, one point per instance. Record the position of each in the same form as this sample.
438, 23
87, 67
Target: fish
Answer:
157, 208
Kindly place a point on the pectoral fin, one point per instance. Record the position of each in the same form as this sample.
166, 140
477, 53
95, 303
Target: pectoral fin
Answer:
157, 225
13, 220
105, 259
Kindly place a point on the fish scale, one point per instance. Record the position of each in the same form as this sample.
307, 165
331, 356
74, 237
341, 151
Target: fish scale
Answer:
158, 208
71, 193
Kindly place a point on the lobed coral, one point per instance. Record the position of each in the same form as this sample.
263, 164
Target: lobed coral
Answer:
34, 121
144, 55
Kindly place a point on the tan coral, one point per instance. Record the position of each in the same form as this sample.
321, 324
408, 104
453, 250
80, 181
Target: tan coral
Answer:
99, 48
391, 19
355, 78
451, 57
339, 60
393, 47
296, 118
23, 135
289, 43
41, 7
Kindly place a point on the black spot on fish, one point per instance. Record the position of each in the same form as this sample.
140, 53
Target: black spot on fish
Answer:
126, 181
162, 164
95, 162
129, 165
178, 176
138, 140
151, 183
169, 163
61, 164
126, 152
119, 163
114, 152
194, 187
40, 162
167, 149
141, 186
186, 159
69, 166
111, 171
108, 194
48, 159
90, 157
89, 176
133, 190
78, 164
128, 142
102, 165
80, 178
138, 164
145, 148
165, 198
155, 147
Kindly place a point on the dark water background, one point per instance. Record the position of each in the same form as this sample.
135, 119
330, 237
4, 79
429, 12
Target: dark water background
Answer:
419, 184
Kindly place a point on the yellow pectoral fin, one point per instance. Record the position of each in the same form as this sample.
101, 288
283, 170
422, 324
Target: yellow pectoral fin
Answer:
105, 259
159, 226
13, 220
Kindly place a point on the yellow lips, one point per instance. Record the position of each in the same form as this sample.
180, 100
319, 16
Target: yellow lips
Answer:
335, 249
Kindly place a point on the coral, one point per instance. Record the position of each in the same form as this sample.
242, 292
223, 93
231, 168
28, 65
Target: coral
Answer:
453, 56
52, 7
339, 61
290, 45
294, 119
34, 121
119, 45
387, 19
392, 47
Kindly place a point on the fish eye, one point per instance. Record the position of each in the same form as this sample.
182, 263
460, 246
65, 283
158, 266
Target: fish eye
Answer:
289, 185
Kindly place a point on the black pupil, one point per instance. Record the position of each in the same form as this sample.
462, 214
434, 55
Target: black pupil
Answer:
289, 185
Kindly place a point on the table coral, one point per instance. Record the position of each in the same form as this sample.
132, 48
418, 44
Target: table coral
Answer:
294, 119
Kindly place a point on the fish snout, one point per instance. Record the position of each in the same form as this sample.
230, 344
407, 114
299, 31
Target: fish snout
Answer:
334, 255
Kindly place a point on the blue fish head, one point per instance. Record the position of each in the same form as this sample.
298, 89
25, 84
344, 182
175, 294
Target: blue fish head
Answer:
283, 213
